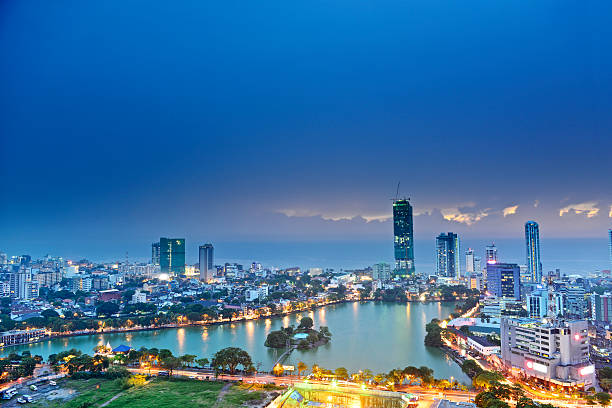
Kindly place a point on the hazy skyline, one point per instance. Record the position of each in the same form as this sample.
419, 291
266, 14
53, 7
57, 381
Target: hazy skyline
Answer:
294, 121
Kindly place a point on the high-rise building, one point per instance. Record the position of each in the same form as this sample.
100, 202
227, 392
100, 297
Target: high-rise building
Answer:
23, 285
477, 264
532, 242
403, 237
575, 301
381, 271
610, 244
447, 255
155, 253
206, 262
601, 307
469, 262
491, 254
537, 304
555, 352
172, 255
503, 280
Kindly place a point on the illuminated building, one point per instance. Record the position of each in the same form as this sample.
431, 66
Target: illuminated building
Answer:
537, 304
610, 244
403, 234
555, 352
381, 271
491, 253
469, 262
601, 307
532, 242
447, 255
503, 280
172, 255
206, 262
155, 253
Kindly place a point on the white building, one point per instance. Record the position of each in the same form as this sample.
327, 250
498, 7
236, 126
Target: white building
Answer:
139, 297
554, 352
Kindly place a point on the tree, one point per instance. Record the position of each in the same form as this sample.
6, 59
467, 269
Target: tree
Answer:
107, 309
603, 398
433, 338
306, 323
171, 363
202, 362
230, 358
471, 368
188, 359
49, 313
341, 373
301, 367
484, 379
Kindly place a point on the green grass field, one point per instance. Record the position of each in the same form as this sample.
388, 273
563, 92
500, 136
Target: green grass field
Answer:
156, 393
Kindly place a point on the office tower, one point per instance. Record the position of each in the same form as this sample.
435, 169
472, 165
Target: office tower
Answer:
447, 255
491, 253
469, 262
532, 242
403, 237
610, 244
381, 271
525, 275
537, 304
3, 258
206, 262
601, 307
172, 255
554, 352
477, 265
22, 285
155, 253
575, 301
503, 280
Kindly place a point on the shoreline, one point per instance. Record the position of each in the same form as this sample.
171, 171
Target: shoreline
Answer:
218, 323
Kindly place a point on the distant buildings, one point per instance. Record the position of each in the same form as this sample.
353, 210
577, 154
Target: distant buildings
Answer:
601, 307
206, 262
491, 254
532, 242
381, 271
555, 352
403, 237
155, 253
172, 255
469, 262
447, 255
503, 280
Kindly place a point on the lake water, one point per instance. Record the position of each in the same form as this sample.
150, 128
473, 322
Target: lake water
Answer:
378, 336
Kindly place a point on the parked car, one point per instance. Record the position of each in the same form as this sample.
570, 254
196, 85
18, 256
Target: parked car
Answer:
52, 383
33, 387
21, 400
163, 373
28, 398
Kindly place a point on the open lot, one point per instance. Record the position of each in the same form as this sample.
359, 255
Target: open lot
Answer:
155, 393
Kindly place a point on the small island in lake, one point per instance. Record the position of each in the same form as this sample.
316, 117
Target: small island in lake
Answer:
304, 337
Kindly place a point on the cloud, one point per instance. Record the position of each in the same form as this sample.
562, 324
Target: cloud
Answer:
589, 209
536, 203
303, 213
510, 210
464, 217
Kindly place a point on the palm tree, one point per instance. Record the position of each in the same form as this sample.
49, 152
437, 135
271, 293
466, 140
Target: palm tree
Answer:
301, 367
202, 362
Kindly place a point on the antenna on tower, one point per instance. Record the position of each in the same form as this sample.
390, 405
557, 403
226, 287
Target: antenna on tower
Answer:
397, 191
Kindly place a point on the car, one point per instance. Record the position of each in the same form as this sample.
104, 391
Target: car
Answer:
33, 387
193, 377
28, 398
53, 383
163, 373
21, 400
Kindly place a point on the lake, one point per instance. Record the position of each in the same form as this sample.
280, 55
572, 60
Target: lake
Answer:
378, 336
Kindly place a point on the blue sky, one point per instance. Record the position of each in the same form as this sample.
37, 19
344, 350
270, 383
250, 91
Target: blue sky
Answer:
123, 121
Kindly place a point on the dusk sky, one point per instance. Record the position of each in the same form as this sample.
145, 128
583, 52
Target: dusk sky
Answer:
123, 121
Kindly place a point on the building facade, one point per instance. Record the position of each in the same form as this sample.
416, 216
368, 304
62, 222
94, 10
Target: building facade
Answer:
503, 280
469, 262
403, 233
555, 352
532, 243
206, 262
172, 255
447, 255
491, 254
601, 308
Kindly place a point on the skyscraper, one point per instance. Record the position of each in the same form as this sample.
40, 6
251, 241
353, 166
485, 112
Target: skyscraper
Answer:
491, 253
532, 241
503, 280
403, 237
206, 262
610, 244
469, 261
155, 253
447, 254
172, 255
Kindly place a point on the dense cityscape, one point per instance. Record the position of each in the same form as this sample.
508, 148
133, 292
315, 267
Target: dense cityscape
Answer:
542, 331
